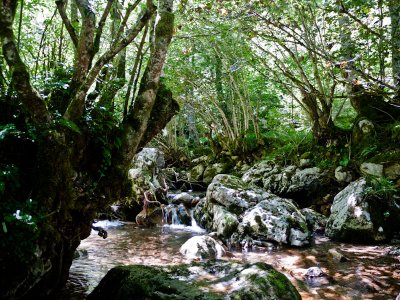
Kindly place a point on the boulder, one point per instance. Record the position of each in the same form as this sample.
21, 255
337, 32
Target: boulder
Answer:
196, 173
212, 170
358, 217
316, 222
300, 184
342, 176
223, 222
183, 198
146, 173
201, 247
259, 171
276, 219
198, 280
392, 171
233, 194
371, 169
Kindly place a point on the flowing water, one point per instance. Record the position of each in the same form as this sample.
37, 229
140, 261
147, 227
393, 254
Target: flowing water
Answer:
368, 274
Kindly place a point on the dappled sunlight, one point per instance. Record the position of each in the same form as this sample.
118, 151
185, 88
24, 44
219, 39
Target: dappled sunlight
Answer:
368, 274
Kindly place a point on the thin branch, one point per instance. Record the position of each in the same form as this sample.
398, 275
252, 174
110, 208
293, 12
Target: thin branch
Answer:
61, 9
100, 27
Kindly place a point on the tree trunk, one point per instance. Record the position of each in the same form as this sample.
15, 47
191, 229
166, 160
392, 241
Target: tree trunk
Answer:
61, 177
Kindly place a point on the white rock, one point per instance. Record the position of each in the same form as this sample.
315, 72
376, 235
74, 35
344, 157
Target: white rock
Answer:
200, 247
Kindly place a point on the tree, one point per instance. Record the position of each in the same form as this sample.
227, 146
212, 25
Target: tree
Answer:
69, 179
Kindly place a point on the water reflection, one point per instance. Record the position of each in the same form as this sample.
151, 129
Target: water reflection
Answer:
368, 274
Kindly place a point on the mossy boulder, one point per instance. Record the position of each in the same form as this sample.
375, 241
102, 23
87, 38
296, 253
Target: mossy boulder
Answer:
199, 280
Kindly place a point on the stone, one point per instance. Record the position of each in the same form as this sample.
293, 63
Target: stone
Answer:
305, 163
366, 126
392, 171
224, 222
212, 170
256, 173
183, 198
342, 176
276, 219
351, 219
371, 169
316, 222
233, 194
337, 256
199, 280
196, 173
202, 247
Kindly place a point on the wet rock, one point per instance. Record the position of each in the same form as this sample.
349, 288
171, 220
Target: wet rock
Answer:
176, 214
357, 217
223, 222
316, 222
371, 169
212, 170
276, 219
337, 256
342, 176
205, 280
150, 217
395, 251
202, 247
183, 198
316, 277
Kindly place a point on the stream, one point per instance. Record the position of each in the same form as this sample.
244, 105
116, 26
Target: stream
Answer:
368, 274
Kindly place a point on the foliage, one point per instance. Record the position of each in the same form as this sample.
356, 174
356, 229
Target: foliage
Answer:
381, 188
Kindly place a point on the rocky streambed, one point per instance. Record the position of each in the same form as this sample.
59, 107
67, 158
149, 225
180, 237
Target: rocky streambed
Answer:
368, 272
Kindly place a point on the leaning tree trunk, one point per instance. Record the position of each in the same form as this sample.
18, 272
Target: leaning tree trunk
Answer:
64, 180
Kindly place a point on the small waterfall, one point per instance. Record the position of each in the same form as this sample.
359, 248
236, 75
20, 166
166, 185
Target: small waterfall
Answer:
178, 216
195, 227
174, 216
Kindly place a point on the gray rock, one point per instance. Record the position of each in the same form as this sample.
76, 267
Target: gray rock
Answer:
211, 171
371, 169
392, 171
316, 222
233, 194
196, 173
342, 176
201, 247
183, 198
350, 218
260, 170
223, 222
276, 219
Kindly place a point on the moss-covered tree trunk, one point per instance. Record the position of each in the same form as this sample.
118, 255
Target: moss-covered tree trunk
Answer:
46, 212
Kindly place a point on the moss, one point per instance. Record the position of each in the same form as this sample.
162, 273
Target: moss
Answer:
166, 25
282, 286
144, 282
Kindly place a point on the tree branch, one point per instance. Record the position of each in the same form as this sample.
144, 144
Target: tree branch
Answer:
76, 107
61, 9
20, 79
100, 27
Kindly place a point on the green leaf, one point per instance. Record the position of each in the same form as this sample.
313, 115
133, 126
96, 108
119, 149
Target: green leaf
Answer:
70, 125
